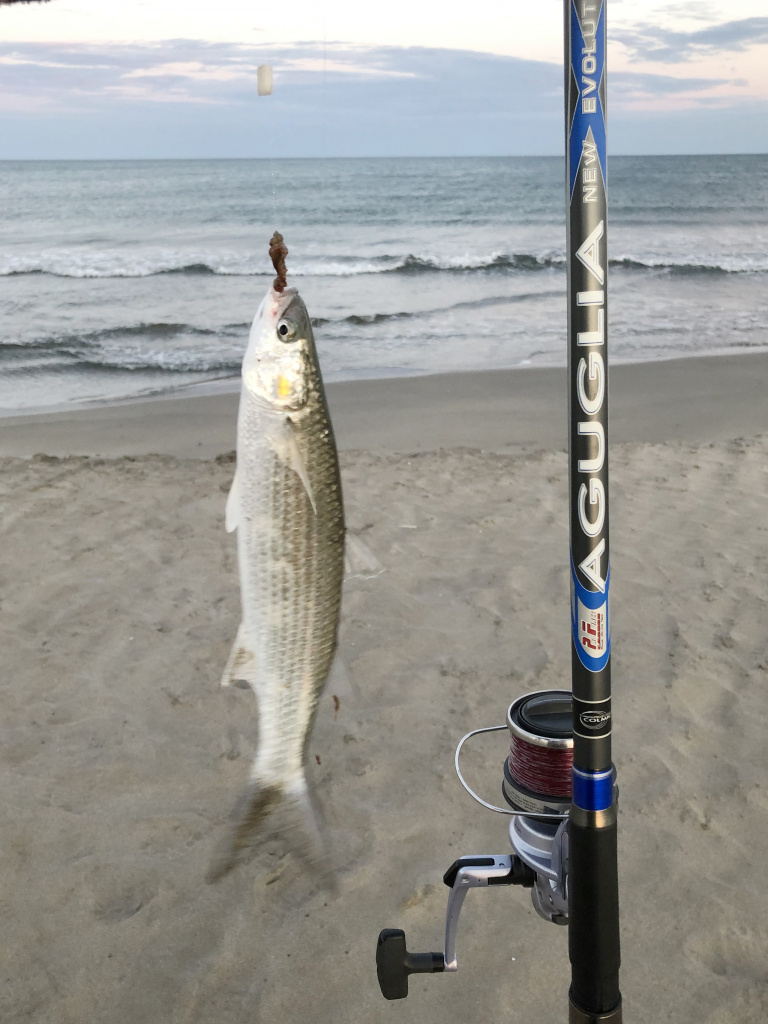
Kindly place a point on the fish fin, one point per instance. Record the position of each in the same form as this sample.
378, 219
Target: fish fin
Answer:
231, 515
273, 810
286, 448
359, 561
241, 665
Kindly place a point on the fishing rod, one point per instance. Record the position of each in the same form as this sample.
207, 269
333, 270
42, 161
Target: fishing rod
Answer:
593, 903
559, 782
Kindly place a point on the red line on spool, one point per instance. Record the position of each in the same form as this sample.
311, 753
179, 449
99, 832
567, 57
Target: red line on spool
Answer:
545, 770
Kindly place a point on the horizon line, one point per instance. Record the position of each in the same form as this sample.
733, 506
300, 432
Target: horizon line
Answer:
400, 156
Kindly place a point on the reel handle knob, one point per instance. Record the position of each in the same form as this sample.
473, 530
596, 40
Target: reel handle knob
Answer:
394, 963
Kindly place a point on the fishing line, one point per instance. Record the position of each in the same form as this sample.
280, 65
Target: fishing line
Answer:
541, 769
538, 770
512, 810
264, 82
323, 124
272, 159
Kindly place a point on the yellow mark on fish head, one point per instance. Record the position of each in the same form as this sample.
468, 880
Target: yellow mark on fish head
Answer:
287, 378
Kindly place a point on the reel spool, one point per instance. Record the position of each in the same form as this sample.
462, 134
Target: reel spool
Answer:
538, 780
537, 786
537, 773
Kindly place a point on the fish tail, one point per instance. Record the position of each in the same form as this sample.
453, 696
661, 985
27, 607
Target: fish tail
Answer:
275, 810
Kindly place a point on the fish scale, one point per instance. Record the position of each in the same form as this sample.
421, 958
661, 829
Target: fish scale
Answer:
286, 505
291, 588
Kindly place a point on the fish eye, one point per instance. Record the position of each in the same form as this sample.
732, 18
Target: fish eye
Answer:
286, 330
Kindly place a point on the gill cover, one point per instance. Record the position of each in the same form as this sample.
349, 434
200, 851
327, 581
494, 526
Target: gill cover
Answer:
276, 364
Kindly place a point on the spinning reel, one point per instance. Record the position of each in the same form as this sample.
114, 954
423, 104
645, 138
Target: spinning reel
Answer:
537, 785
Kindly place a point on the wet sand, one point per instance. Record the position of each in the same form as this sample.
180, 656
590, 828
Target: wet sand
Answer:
121, 758
712, 399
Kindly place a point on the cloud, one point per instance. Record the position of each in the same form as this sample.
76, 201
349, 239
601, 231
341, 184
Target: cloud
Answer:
646, 84
354, 77
655, 43
699, 10
187, 98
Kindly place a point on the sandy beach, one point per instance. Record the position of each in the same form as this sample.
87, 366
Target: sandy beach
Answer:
121, 758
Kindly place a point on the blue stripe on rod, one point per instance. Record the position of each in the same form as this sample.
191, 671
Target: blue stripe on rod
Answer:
593, 791
587, 43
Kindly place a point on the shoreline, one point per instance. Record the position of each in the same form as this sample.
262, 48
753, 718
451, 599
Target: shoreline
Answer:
707, 398
231, 384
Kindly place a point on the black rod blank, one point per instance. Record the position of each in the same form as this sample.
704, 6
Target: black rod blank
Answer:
593, 885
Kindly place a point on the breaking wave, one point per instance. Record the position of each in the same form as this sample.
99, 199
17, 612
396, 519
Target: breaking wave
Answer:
164, 347
184, 348
116, 265
120, 265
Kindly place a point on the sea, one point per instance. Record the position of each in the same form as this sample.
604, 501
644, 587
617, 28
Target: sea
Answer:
130, 278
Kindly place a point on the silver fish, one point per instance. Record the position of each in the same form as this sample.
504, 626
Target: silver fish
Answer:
286, 505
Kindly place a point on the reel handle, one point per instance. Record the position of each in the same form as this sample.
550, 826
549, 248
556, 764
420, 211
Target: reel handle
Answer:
394, 963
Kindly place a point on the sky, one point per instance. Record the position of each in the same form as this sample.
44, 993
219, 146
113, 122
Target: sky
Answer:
82, 79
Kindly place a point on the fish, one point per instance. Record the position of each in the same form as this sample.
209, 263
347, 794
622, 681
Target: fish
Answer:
286, 506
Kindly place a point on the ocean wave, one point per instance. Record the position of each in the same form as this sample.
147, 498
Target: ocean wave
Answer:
164, 363
65, 263
150, 331
368, 319
121, 265
727, 265
155, 330
166, 347
117, 265
185, 348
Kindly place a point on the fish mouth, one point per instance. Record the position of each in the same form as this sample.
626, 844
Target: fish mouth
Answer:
273, 306
276, 302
